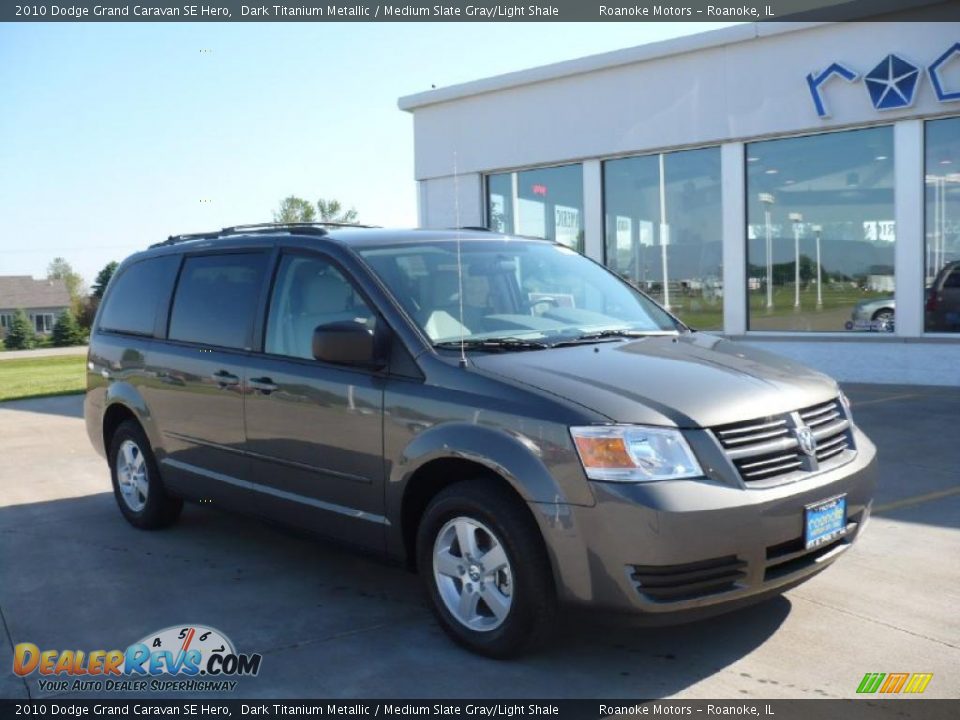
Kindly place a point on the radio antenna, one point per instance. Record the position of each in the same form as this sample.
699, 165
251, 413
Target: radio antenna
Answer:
456, 210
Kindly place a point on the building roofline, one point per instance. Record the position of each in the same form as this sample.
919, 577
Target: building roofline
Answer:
732, 35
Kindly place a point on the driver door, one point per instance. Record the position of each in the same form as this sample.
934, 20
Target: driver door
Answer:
314, 430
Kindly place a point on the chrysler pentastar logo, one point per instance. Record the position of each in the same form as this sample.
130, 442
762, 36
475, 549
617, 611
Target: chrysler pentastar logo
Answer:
806, 440
892, 83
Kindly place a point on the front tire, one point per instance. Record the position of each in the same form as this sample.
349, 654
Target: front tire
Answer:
485, 569
136, 480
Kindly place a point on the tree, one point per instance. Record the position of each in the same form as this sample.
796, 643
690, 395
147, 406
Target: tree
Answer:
332, 211
67, 331
60, 269
103, 277
294, 209
20, 335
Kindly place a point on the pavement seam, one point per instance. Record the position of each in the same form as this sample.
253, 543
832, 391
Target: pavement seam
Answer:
874, 620
6, 630
874, 401
916, 500
338, 636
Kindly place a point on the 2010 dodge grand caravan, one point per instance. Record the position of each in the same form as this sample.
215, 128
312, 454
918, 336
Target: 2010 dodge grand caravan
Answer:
510, 418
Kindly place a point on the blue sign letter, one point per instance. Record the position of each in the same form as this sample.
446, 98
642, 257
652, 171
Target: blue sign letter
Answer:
815, 81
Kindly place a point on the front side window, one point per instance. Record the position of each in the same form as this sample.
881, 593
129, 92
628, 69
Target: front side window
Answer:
821, 232
216, 299
308, 292
942, 241
511, 289
663, 219
135, 294
544, 203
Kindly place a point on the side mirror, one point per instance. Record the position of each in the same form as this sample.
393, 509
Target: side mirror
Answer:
347, 342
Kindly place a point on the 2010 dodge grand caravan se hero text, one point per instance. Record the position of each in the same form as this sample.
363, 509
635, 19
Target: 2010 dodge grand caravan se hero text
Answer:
508, 417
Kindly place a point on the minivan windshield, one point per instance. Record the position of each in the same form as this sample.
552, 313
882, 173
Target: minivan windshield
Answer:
519, 293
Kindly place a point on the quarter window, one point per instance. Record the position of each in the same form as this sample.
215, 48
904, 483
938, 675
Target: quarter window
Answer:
135, 294
309, 291
216, 299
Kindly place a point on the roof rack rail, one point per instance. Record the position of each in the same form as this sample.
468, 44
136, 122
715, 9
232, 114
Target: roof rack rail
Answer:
314, 228
478, 228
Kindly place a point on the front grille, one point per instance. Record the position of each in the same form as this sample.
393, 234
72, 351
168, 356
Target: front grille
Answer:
766, 451
670, 583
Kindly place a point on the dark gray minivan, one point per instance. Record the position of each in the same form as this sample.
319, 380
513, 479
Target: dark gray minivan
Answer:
503, 414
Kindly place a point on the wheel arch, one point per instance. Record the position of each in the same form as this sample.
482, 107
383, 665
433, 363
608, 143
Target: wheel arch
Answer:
124, 402
428, 481
456, 451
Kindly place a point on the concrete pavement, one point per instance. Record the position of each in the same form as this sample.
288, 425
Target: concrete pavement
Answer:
332, 624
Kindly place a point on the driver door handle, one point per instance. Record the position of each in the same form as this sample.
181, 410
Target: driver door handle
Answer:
225, 379
263, 384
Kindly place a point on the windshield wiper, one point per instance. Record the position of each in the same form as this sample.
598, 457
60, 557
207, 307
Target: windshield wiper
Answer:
504, 343
607, 335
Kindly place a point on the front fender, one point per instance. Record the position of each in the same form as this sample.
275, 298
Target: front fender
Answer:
539, 470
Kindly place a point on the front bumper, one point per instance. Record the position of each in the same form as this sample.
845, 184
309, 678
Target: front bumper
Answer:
679, 546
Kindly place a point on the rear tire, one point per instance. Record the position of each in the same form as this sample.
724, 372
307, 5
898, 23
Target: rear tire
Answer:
495, 596
137, 486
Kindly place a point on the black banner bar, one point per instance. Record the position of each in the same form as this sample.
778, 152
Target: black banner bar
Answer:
468, 10
867, 708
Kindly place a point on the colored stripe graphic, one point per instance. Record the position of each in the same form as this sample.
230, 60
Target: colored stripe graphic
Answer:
894, 682
918, 682
870, 682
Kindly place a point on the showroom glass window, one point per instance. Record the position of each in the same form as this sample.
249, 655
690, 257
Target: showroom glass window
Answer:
942, 242
663, 228
544, 203
821, 232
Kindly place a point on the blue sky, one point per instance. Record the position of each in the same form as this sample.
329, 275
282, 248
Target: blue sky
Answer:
117, 135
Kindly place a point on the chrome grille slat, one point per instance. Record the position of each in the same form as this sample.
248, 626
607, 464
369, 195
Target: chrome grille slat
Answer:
821, 419
832, 453
758, 463
750, 428
818, 410
766, 452
830, 443
834, 429
757, 437
766, 448
776, 470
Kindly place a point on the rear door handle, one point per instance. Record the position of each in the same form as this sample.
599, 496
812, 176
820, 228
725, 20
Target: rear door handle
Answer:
263, 384
225, 379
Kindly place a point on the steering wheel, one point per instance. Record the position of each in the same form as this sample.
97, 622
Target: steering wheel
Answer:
551, 301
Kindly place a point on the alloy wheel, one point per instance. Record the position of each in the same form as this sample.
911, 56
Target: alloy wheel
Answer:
473, 574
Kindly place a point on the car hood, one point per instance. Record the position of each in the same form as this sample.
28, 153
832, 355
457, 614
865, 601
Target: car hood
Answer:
695, 380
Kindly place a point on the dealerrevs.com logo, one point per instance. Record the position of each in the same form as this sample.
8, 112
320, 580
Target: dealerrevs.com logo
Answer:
187, 658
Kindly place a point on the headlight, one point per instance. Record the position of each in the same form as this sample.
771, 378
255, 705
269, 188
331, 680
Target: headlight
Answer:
634, 453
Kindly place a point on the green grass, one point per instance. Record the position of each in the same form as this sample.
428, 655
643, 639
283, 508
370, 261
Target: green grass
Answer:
43, 376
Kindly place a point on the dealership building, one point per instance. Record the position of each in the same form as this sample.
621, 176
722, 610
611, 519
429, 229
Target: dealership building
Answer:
794, 186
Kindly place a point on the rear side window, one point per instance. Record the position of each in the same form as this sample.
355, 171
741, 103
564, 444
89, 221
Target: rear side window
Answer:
131, 305
216, 299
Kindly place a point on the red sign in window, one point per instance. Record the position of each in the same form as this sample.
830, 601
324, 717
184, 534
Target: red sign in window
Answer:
540, 190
